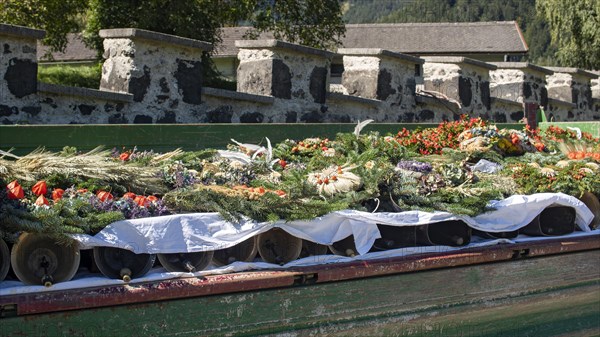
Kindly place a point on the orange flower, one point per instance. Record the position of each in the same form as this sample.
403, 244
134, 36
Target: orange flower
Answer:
124, 156
40, 188
57, 194
104, 196
130, 195
152, 198
141, 200
15, 191
82, 190
41, 200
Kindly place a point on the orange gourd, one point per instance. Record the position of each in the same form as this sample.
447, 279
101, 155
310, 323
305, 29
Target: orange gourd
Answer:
57, 194
15, 191
104, 196
40, 188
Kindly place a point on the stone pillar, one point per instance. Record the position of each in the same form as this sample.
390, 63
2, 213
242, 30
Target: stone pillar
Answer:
162, 72
382, 75
572, 85
283, 70
595, 83
462, 79
18, 73
521, 82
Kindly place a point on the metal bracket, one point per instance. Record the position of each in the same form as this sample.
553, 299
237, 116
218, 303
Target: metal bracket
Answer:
521, 253
8, 310
305, 279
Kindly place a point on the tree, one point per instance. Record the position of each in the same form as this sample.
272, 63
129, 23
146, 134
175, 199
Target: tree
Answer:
316, 23
197, 19
56, 17
575, 30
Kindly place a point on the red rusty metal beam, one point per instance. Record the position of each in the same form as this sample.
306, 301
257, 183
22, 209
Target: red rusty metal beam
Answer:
76, 299
412, 263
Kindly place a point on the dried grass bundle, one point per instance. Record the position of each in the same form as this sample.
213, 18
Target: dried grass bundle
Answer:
95, 164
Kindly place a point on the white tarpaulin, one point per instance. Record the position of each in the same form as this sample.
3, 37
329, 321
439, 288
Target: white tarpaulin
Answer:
208, 231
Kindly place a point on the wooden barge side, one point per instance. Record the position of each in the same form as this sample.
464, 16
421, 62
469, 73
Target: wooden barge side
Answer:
549, 288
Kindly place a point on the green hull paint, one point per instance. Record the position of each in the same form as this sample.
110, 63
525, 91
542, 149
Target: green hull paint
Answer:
546, 296
167, 137
591, 127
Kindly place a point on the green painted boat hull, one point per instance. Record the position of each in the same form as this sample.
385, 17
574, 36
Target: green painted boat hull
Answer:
547, 295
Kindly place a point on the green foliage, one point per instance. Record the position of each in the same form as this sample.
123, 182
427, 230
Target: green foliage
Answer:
574, 178
575, 30
197, 19
86, 76
269, 207
451, 188
314, 23
357, 11
56, 17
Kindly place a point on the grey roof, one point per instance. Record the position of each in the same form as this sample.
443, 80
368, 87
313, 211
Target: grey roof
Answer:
501, 37
76, 51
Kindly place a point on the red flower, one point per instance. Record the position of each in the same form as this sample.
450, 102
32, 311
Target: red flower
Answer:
57, 194
15, 191
104, 196
124, 156
282, 163
41, 200
40, 188
152, 198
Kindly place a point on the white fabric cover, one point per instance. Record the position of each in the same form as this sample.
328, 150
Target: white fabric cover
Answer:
208, 231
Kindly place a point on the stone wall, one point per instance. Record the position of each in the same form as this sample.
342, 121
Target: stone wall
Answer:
382, 75
462, 79
506, 111
69, 105
560, 111
18, 72
520, 82
572, 85
149, 77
